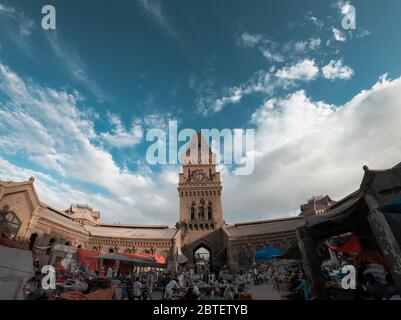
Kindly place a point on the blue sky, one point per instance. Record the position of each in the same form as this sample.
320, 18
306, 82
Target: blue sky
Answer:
76, 102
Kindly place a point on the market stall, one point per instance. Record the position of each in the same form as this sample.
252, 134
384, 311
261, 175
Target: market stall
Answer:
356, 231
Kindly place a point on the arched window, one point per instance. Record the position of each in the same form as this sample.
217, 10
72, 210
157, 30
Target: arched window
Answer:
10, 224
32, 240
192, 211
210, 211
201, 213
111, 250
67, 243
127, 251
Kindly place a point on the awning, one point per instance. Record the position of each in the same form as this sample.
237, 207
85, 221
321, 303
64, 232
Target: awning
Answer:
267, 253
91, 258
113, 256
133, 261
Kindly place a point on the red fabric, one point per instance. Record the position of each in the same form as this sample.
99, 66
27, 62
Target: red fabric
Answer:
59, 267
371, 256
351, 245
101, 294
87, 258
11, 244
146, 256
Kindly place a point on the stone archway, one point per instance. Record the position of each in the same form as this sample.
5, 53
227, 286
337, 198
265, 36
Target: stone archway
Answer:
202, 259
202, 254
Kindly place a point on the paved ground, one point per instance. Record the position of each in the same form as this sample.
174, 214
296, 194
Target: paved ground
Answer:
264, 292
260, 292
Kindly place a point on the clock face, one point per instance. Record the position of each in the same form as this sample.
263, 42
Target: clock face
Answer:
199, 177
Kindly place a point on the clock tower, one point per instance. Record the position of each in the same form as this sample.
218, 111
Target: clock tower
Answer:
199, 190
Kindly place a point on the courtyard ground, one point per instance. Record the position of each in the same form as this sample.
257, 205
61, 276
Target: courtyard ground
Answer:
259, 292
264, 292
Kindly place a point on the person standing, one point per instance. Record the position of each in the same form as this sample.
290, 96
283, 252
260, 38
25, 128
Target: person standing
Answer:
151, 282
137, 289
231, 291
171, 286
109, 274
255, 275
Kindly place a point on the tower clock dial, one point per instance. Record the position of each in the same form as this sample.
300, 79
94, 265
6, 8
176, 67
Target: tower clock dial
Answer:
199, 176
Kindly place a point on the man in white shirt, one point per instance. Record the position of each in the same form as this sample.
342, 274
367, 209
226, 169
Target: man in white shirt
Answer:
137, 289
170, 288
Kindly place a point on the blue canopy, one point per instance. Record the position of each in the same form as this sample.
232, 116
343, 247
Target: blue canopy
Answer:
267, 253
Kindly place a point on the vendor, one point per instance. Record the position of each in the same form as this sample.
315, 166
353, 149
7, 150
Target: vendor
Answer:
170, 287
304, 287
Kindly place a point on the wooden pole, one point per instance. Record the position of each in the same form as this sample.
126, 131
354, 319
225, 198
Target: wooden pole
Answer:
385, 238
310, 262
387, 243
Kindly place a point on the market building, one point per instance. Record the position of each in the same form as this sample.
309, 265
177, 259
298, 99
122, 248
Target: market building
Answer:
363, 228
201, 225
30, 222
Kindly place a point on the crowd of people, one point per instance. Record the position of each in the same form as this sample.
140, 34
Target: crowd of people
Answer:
285, 276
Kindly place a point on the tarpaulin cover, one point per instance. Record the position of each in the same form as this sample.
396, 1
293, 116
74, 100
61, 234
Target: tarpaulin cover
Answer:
101, 294
371, 256
146, 256
267, 253
351, 244
87, 258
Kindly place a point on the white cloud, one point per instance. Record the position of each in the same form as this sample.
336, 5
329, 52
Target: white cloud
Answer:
75, 66
263, 82
314, 43
155, 10
304, 46
336, 70
46, 126
119, 137
272, 56
274, 52
304, 70
18, 27
250, 40
306, 147
338, 35
316, 21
